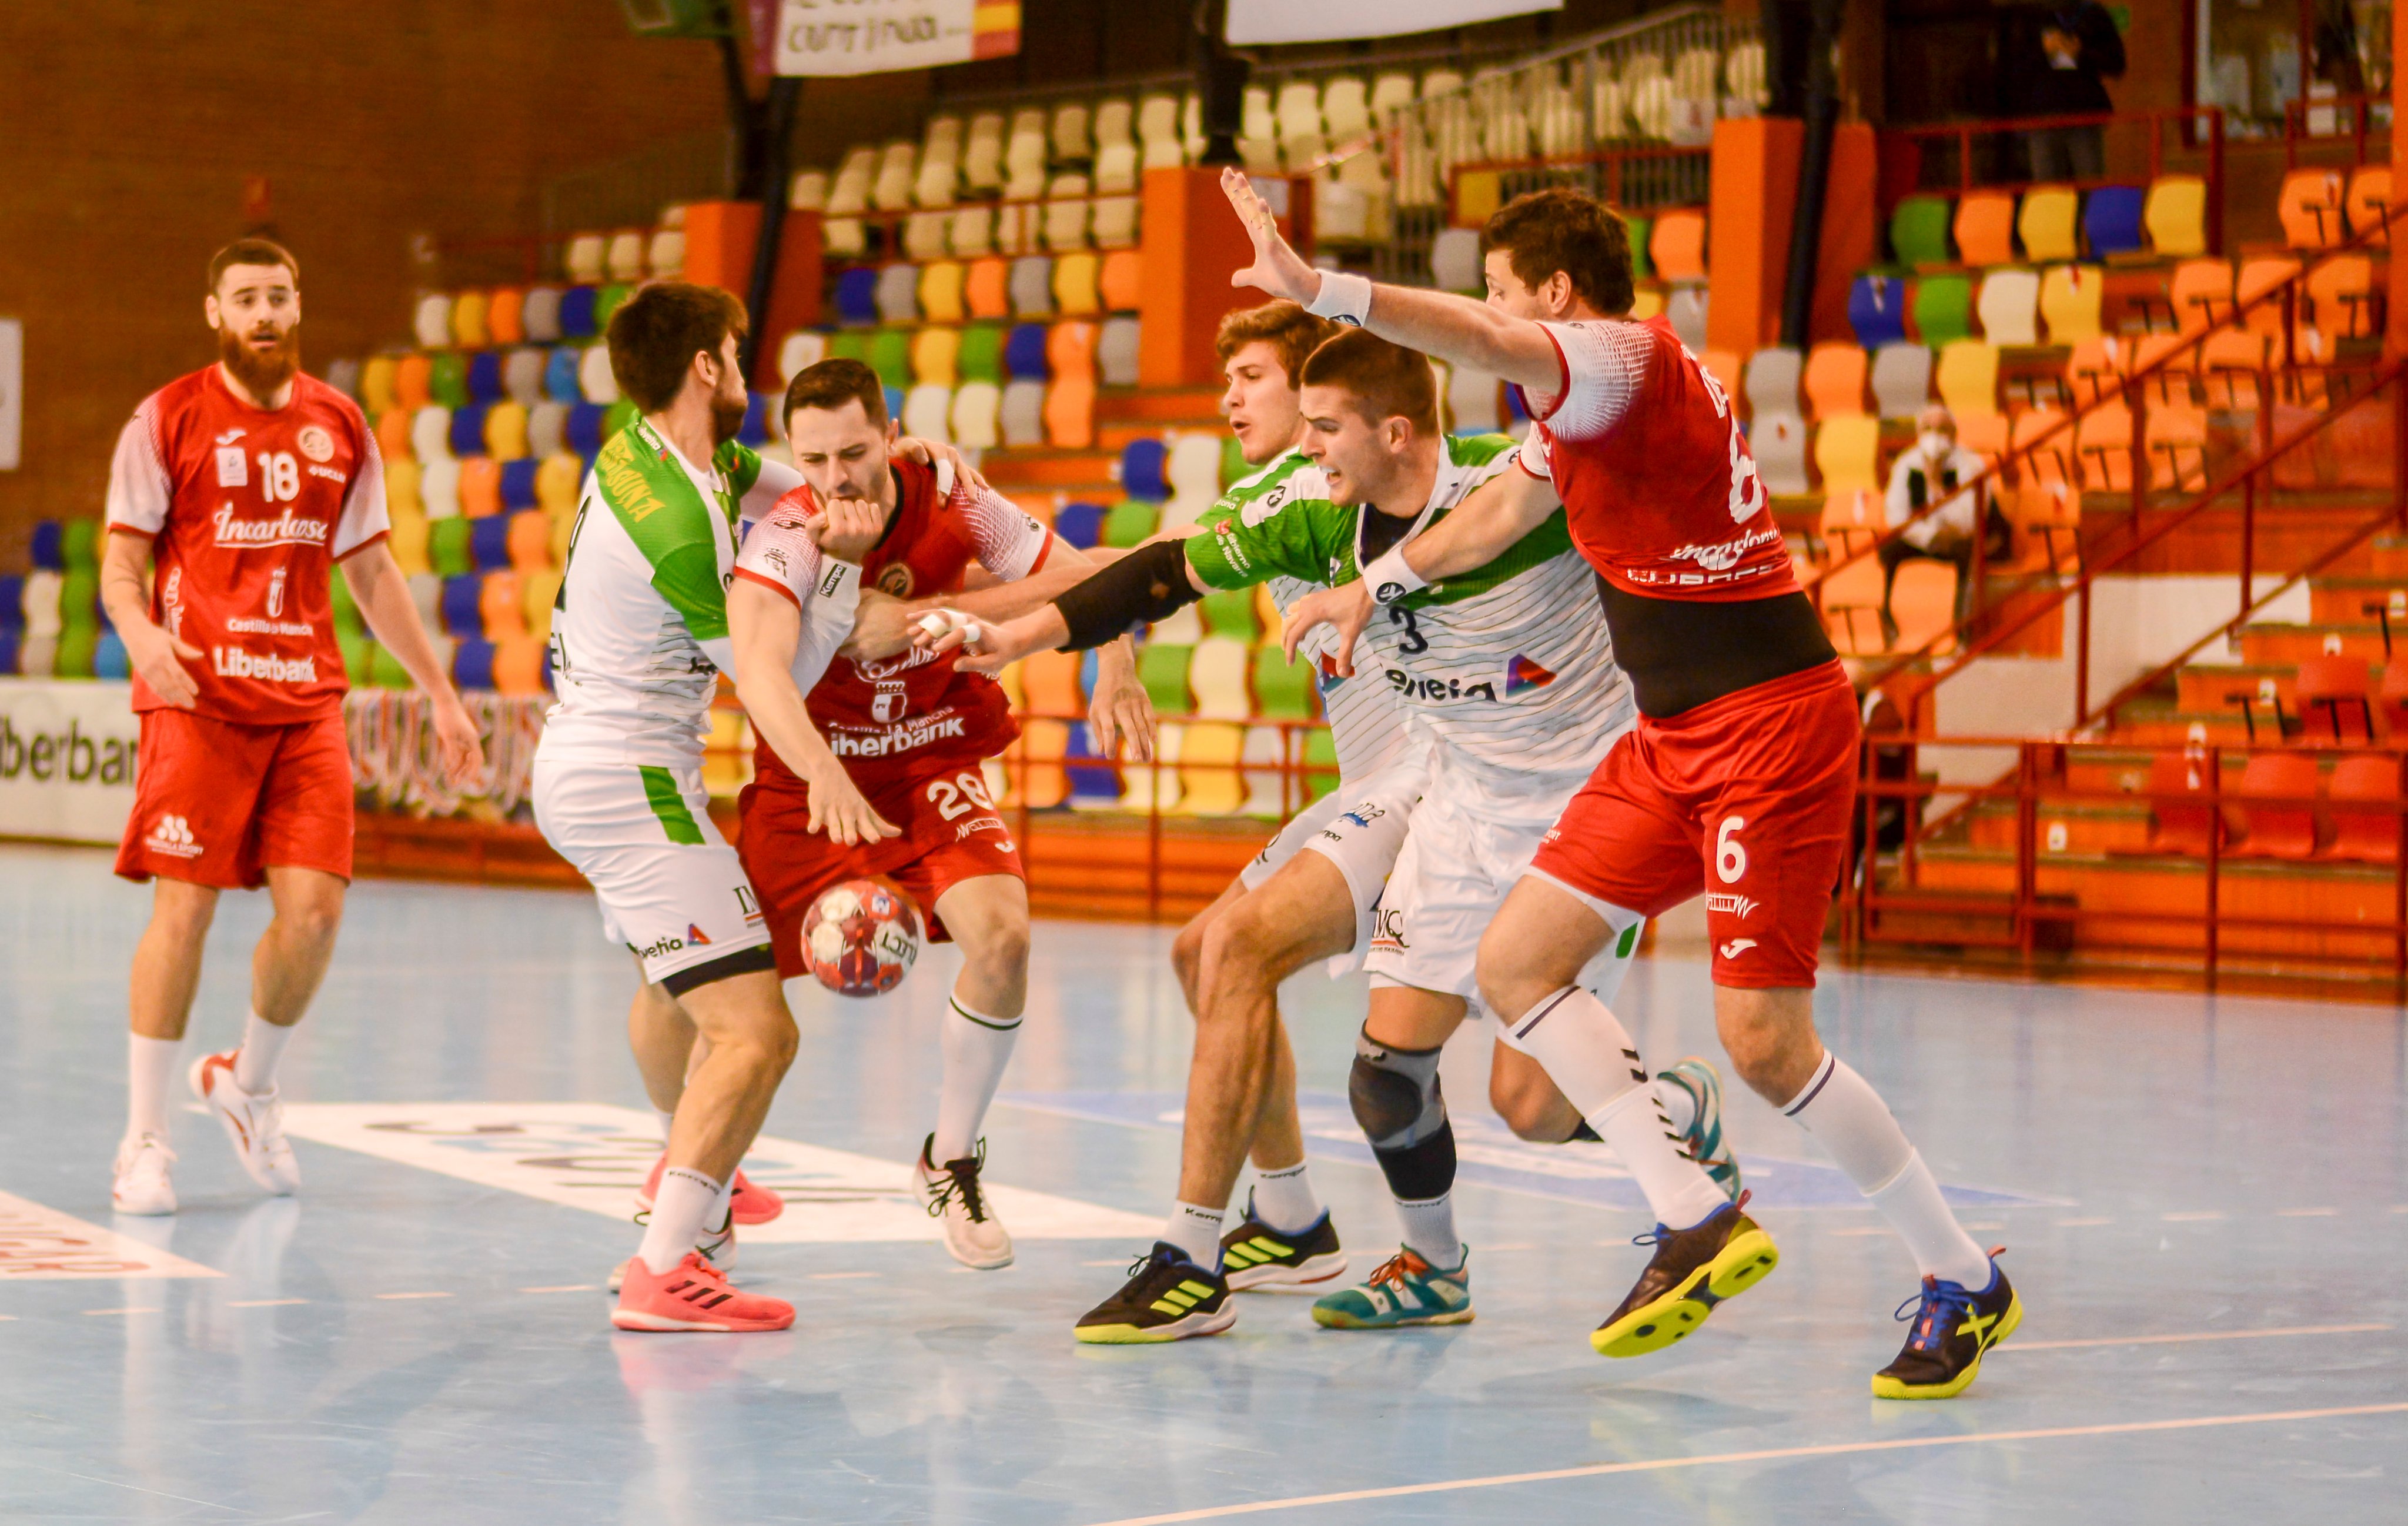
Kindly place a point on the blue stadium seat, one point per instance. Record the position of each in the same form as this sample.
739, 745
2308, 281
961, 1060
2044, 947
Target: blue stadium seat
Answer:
461, 604
1079, 524
1097, 783
1517, 411
856, 295
576, 312
895, 402
2110, 220
489, 542
49, 548
472, 664
1023, 353
13, 603
585, 428
485, 376
469, 430
518, 482
560, 375
1142, 465
1877, 311
109, 657
755, 431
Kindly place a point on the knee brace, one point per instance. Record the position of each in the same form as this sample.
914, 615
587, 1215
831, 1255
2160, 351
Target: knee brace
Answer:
1394, 1094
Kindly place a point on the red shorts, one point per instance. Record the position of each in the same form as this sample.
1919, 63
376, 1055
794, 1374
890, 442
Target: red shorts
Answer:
1748, 797
218, 802
952, 832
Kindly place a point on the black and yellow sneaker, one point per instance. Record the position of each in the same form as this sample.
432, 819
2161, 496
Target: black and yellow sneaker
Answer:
1256, 1258
1693, 1270
1953, 1326
1167, 1298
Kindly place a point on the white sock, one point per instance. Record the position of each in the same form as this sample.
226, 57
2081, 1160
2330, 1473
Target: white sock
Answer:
150, 1072
1679, 1105
1848, 1118
1588, 1055
682, 1209
1285, 1201
976, 1047
1197, 1233
668, 1119
254, 1063
1429, 1232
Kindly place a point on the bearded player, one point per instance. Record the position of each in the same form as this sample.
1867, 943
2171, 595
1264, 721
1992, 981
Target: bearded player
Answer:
1740, 774
873, 765
245, 485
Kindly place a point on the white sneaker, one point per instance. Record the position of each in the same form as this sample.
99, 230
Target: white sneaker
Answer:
717, 1248
143, 1185
256, 1124
973, 1235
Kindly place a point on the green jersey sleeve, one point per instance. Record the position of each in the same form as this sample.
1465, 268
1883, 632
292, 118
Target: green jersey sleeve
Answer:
1276, 524
756, 482
670, 525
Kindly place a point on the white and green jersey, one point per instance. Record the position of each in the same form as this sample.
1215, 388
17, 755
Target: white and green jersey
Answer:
1507, 667
1366, 726
639, 630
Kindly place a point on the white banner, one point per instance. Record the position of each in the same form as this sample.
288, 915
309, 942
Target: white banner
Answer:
874, 37
1343, 21
66, 758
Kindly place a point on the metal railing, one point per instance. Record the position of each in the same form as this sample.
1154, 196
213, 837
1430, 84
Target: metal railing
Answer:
1980, 156
2355, 121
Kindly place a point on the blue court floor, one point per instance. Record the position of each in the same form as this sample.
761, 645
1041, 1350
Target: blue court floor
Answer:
2206, 1201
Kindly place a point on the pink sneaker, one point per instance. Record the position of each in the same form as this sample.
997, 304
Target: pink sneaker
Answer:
751, 1204
691, 1295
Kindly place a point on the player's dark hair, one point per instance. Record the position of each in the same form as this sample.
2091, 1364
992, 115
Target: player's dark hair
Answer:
1290, 331
1542, 232
657, 332
251, 252
1388, 381
832, 384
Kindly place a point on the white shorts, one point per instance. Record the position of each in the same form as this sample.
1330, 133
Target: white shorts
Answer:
1359, 827
1463, 852
670, 887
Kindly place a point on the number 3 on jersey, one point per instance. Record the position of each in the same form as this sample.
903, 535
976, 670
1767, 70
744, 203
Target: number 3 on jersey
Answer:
948, 794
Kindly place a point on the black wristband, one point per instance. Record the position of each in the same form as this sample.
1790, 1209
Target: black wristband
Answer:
1149, 583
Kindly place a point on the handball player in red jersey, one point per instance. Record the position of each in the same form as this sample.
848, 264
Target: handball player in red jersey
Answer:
1738, 780
244, 486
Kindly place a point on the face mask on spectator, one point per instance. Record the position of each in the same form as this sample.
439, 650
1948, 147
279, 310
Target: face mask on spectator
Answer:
1936, 446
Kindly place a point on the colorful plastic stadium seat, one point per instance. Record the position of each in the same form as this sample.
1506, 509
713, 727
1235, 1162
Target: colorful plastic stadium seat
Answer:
1877, 311
587, 426
518, 488
1923, 607
2111, 221
1968, 377
855, 295
540, 314
2257, 279
393, 435
2176, 215
1454, 259
1079, 524
1121, 281
466, 433
1901, 380
576, 306
1217, 673
1074, 285
376, 384
560, 366
1141, 469
2336, 699
501, 604
430, 433
469, 329
2371, 833
1131, 523
2341, 293
2203, 294
596, 381
1918, 231
2093, 370
1118, 352
431, 320
1677, 245
400, 489
1847, 452
2369, 202
505, 315
1210, 782
1472, 401
1640, 228
462, 604
505, 430
447, 378
979, 358
927, 411
1773, 381
896, 294
523, 375
2175, 382
2103, 442
1024, 352
1851, 606
890, 356
1986, 228
1032, 286
1021, 413
986, 290
2278, 813
850, 344
1943, 310
1778, 441
976, 416
934, 356
538, 588
557, 482
2072, 301
1835, 381
940, 291
2010, 307
2047, 225
1685, 310
1284, 691
2310, 208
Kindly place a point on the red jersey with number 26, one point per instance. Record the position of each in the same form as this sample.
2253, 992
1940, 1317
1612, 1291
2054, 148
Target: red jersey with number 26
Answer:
1658, 486
913, 712
248, 511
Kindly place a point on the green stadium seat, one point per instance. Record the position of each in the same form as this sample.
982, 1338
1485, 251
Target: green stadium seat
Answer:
1284, 691
981, 356
1918, 231
890, 356
1130, 523
1232, 614
1943, 310
1162, 668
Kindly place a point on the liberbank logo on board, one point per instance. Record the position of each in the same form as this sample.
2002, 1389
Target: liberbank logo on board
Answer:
66, 760
871, 36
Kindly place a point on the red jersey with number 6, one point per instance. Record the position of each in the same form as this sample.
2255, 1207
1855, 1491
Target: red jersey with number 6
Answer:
1662, 497
248, 511
914, 712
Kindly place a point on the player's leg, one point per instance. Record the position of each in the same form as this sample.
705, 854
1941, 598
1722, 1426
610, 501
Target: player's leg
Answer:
159, 1000
1277, 1145
988, 917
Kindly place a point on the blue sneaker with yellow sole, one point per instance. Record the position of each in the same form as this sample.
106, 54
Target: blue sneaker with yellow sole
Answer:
1953, 1326
1401, 1292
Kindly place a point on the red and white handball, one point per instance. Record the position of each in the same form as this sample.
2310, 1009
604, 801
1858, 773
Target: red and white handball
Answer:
862, 936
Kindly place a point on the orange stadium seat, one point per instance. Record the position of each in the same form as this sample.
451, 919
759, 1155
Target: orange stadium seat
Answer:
411, 378
1678, 245
2183, 822
1122, 281
1986, 228
480, 487
518, 665
1922, 606
392, 428
2260, 277
2371, 833
986, 288
1835, 381
2310, 208
2203, 294
2336, 698
530, 540
2283, 826
2231, 363
1070, 400
501, 605
2369, 202
2342, 292
505, 315
2104, 441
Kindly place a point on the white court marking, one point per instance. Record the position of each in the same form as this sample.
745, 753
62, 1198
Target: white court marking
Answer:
595, 1156
36, 1242
1772, 1454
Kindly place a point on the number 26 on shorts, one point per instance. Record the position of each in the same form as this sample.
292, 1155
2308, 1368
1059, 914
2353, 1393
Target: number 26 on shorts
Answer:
1730, 853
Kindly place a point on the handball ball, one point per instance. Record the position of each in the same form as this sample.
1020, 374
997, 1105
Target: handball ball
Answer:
862, 938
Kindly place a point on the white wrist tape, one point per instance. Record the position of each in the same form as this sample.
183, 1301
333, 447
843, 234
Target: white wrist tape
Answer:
1390, 577
1344, 296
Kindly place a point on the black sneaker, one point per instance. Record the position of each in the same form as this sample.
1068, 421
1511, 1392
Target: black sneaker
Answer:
1953, 1326
1167, 1298
1254, 1256
1692, 1271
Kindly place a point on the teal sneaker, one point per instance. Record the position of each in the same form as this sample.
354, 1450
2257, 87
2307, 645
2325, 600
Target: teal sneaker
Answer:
1703, 1139
1402, 1291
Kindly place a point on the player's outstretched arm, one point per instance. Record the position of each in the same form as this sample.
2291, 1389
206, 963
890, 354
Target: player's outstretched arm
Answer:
764, 631
1120, 709
1152, 582
382, 594
1452, 329
156, 654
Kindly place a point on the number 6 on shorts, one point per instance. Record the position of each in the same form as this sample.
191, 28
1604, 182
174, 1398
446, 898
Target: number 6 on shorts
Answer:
1730, 855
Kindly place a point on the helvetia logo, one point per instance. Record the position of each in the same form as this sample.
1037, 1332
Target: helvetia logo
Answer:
172, 835
658, 948
1522, 673
696, 936
1330, 676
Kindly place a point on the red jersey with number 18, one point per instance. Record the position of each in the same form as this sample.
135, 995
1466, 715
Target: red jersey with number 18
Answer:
248, 511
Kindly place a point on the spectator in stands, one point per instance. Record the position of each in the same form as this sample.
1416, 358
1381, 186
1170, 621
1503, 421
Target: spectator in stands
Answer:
1931, 468
2061, 67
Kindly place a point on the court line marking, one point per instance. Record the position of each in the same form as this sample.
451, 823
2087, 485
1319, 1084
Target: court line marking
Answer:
2081, 1223
2199, 1216
412, 1295
123, 1311
2306, 1212
564, 1287
2198, 1336
1770, 1454
263, 1303
831, 1276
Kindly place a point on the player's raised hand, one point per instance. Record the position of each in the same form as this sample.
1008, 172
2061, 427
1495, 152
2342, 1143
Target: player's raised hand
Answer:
838, 807
847, 529
1120, 710
1277, 268
456, 741
159, 656
881, 628
942, 630
1345, 609
929, 451
989, 646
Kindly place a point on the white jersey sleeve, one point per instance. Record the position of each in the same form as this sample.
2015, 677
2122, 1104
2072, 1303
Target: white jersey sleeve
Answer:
776, 479
1008, 544
365, 518
139, 490
780, 555
1603, 362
